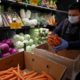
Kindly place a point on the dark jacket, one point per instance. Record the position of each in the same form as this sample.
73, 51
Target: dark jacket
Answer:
69, 32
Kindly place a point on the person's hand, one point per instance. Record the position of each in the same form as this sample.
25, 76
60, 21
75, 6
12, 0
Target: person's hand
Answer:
63, 45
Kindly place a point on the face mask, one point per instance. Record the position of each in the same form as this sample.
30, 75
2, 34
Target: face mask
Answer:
73, 19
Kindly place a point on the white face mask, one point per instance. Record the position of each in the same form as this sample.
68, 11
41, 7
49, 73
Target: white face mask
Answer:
73, 19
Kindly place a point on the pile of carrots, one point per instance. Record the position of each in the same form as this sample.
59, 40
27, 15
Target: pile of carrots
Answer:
17, 74
54, 40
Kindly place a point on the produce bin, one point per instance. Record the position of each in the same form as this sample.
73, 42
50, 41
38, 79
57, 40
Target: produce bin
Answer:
69, 58
32, 61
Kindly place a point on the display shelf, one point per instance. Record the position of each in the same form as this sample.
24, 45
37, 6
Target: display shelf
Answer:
4, 28
45, 8
29, 6
14, 4
7, 27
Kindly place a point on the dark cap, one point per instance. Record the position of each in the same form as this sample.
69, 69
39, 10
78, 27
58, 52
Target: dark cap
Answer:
75, 5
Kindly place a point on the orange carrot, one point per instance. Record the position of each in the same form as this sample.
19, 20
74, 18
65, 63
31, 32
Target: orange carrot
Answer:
29, 73
3, 72
14, 78
32, 75
42, 79
18, 75
47, 75
39, 76
18, 68
8, 77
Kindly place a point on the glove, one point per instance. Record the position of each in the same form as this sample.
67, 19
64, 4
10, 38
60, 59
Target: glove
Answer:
64, 44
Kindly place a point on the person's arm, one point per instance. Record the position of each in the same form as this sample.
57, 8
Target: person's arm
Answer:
68, 45
74, 44
58, 28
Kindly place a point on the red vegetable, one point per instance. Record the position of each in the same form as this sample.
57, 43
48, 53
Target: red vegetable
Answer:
12, 50
4, 47
8, 41
5, 54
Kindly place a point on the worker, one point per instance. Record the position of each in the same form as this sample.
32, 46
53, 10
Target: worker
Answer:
69, 29
62, 5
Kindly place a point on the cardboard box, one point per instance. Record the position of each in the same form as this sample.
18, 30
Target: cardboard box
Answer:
12, 61
40, 63
69, 58
34, 62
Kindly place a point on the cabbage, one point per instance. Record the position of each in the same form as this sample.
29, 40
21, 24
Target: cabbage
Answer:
21, 38
21, 50
18, 38
21, 34
28, 48
26, 36
33, 46
19, 44
25, 41
30, 42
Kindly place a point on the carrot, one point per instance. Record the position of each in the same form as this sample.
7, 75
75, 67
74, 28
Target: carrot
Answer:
3, 76
42, 79
47, 75
32, 75
29, 73
18, 75
8, 70
14, 78
18, 68
8, 77
39, 76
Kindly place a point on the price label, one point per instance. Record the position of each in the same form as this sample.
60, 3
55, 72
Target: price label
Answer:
15, 25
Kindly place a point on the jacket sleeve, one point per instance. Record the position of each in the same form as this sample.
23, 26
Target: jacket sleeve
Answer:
58, 29
74, 44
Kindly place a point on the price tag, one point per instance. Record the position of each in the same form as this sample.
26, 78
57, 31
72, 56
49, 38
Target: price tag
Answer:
15, 25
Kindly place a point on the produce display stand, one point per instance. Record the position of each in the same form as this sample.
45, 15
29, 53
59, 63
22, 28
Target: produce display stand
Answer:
39, 59
34, 62
69, 58
18, 5
31, 6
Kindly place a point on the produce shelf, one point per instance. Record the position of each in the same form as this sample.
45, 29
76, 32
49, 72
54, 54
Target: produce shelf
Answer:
8, 28
29, 6
4, 28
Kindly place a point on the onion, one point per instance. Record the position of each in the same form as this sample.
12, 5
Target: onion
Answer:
5, 54
4, 47
8, 41
12, 50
